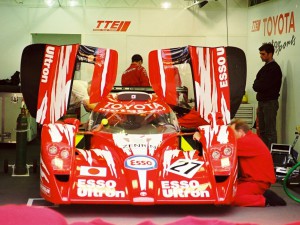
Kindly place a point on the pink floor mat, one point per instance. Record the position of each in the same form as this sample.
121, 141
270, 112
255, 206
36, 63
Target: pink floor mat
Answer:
29, 215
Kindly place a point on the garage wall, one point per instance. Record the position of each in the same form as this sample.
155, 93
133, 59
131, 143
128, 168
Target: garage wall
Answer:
149, 29
277, 21
14, 36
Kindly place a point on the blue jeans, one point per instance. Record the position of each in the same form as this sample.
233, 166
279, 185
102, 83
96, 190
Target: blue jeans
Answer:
266, 114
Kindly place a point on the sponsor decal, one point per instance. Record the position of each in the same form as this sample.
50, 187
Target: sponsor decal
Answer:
283, 23
222, 67
137, 144
185, 167
277, 25
109, 25
140, 162
49, 54
93, 171
184, 189
98, 188
134, 108
255, 25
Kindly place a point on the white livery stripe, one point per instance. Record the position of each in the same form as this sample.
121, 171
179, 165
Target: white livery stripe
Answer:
104, 74
162, 73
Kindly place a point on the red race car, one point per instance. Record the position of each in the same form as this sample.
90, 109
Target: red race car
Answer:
135, 151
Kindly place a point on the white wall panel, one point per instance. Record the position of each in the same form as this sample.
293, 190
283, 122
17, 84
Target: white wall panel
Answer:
56, 20
14, 36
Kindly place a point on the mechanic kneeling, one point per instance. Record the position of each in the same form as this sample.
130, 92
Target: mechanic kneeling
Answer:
256, 169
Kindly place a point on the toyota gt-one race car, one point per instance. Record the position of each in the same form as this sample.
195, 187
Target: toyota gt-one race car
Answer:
134, 150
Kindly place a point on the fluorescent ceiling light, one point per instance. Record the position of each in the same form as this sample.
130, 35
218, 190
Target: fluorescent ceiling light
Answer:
50, 3
73, 3
166, 5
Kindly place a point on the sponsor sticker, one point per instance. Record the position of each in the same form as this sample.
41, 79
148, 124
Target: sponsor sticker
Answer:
93, 171
185, 168
140, 162
184, 189
98, 189
108, 25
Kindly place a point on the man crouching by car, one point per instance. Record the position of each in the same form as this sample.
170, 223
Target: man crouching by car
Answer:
256, 169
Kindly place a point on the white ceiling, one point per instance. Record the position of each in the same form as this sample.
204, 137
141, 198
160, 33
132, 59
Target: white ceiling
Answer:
212, 4
93, 3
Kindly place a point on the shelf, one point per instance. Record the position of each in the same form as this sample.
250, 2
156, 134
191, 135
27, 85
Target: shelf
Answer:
246, 112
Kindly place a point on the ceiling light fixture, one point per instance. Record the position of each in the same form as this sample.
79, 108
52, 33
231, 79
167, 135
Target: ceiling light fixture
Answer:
49, 3
166, 5
73, 3
202, 4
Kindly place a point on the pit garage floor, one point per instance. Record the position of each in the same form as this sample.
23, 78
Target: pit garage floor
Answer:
25, 190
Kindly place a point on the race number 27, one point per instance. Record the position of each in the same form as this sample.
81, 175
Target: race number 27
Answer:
185, 168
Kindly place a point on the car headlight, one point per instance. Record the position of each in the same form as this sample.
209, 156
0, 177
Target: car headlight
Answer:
52, 150
227, 151
215, 154
59, 155
64, 154
222, 159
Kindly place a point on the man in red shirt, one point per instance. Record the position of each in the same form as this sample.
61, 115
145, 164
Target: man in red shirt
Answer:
256, 169
136, 74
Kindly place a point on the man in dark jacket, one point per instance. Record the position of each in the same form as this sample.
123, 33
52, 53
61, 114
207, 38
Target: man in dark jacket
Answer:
267, 85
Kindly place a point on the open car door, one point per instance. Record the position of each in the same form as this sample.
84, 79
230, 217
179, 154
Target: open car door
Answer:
47, 72
216, 77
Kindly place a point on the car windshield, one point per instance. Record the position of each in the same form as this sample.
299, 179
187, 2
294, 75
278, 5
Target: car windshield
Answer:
143, 123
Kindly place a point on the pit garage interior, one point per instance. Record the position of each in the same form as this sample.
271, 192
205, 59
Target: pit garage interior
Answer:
154, 24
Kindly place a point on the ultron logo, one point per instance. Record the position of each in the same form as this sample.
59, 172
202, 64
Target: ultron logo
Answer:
140, 163
184, 189
47, 63
98, 188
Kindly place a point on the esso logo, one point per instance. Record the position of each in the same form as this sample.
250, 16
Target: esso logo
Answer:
140, 162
